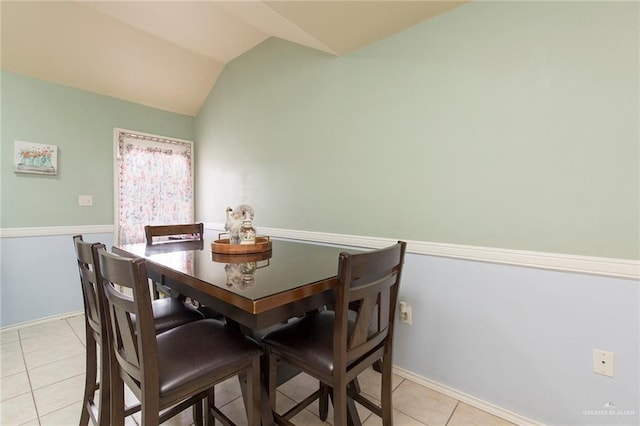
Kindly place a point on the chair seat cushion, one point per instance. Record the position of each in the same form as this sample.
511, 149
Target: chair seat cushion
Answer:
169, 313
309, 340
193, 352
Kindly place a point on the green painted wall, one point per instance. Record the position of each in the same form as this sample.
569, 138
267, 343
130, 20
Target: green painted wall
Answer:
81, 125
499, 124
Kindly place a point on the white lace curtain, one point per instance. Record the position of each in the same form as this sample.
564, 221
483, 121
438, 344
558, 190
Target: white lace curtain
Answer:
154, 184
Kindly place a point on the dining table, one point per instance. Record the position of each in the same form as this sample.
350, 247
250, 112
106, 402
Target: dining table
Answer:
253, 291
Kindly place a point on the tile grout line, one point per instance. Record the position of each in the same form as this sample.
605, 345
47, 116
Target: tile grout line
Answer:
56, 410
407, 414
26, 370
74, 332
83, 344
452, 412
59, 381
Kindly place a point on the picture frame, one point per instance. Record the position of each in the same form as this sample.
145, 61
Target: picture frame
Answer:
38, 158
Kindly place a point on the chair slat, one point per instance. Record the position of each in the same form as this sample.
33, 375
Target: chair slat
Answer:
195, 230
371, 263
368, 289
360, 332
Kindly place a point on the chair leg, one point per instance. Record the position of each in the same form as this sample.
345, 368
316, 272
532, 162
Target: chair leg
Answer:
323, 402
210, 403
386, 392
84, 416
197, 413
90, 377
117, 400
105, 386
339, 393
150, 410
353, 418
355, 385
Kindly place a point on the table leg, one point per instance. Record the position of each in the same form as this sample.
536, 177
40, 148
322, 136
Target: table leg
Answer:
265, 408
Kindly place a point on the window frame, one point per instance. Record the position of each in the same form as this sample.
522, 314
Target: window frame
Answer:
118, 134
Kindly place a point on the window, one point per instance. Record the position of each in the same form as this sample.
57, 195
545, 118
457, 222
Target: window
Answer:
154, 183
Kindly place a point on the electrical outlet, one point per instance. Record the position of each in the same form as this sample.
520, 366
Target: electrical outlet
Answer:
603, 362
405, 313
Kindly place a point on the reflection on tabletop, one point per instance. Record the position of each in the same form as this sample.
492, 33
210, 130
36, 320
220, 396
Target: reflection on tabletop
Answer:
240, 268
172, 246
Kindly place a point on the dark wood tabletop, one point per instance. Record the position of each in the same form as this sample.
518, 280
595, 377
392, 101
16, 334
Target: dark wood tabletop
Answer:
255, 290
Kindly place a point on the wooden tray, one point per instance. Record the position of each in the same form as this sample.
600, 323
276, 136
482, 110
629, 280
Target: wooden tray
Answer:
223, 246
241, 257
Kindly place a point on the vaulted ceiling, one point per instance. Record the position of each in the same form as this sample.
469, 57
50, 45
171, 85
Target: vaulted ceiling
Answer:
168, 54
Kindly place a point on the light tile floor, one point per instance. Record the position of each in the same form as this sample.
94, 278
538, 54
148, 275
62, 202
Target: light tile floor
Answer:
42, 379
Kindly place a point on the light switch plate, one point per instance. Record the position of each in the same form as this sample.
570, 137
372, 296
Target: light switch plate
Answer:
85, 200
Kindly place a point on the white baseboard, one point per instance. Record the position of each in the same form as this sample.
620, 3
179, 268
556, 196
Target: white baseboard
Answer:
467, 399
41, 321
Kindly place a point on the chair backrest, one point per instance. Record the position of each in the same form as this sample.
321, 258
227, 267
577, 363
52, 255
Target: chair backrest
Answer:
92, 292
193, 231
134, 343
369, 281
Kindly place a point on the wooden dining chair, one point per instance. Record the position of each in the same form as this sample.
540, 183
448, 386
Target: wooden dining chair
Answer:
170, 233
175, 369
191, 231
176, 233
166, 315
335, 346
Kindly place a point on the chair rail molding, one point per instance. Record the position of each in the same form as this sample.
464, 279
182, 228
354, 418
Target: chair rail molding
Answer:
619, 268
55, 230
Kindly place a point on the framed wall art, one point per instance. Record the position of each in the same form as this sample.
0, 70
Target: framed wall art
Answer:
29, 157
